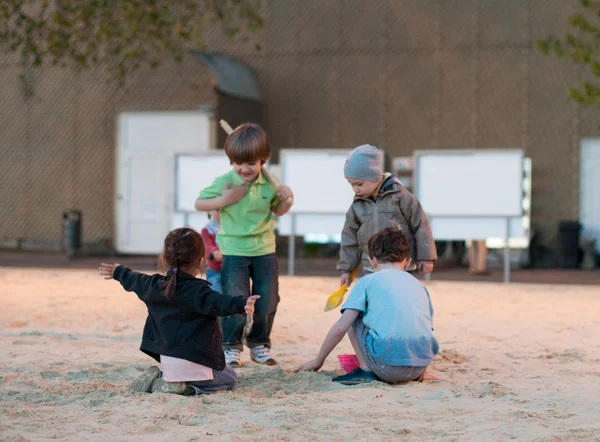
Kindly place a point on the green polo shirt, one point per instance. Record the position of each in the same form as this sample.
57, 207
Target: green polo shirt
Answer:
247, 227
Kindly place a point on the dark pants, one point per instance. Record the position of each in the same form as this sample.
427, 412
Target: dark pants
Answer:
222, 380
235, 275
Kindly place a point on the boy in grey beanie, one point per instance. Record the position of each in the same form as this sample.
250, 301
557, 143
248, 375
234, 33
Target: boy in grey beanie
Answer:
380, 201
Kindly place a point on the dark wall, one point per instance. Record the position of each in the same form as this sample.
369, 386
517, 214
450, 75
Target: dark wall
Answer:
235, 111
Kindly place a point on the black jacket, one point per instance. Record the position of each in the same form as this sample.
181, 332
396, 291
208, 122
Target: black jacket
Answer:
184, 326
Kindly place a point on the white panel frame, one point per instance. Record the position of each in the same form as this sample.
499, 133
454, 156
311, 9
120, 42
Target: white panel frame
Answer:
457, 226
181, 207
315, 221
419, 185
589, 150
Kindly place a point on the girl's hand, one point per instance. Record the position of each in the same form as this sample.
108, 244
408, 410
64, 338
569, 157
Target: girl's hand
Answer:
108, 270
425, 267
284, 192
313, 365
250, 305
217, 255
233, 194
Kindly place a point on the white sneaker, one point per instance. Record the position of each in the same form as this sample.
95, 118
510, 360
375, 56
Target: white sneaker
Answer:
262, 355
233, 357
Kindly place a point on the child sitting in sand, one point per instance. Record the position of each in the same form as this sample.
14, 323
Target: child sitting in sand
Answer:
381, 201
388, 317
181, 330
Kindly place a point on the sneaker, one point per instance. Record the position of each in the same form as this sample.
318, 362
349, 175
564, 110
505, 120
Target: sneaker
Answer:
356, 376
262, 355
233, 357
143, 384
162, 386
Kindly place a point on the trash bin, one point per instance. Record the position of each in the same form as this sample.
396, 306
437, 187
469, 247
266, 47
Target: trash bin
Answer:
568, 238
71, 231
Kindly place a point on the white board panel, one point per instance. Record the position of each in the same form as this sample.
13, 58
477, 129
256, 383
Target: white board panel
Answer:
316, 177
458, 229
311, 224
194, 173
470, 183
197, 220
589, 202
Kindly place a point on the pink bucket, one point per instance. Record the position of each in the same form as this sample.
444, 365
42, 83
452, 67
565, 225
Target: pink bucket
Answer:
348, 362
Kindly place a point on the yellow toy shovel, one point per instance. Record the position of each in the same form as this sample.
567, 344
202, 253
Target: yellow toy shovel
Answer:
336, 299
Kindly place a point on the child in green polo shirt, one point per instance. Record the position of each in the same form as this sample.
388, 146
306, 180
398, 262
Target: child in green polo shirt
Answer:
247, 203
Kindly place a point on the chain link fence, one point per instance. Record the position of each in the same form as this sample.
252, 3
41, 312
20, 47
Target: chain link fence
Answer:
403, 75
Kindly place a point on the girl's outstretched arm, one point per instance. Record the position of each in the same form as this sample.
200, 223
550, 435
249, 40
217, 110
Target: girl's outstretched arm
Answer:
131, 281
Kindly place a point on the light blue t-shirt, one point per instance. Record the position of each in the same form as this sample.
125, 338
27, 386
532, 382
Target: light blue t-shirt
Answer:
398, 312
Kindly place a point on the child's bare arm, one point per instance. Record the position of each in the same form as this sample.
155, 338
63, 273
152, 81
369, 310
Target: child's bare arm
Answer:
286, 200
333, 338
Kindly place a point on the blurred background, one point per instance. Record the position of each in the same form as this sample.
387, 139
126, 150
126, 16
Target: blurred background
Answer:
403, 75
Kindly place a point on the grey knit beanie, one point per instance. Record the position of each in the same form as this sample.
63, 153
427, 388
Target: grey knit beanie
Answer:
364, 163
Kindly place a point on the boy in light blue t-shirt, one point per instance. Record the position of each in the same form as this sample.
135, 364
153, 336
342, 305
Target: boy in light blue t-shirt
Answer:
388, 317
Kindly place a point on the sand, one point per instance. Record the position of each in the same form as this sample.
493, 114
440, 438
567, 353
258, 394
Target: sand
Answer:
517, 362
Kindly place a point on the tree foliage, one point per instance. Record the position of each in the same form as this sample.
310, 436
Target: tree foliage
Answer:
582, 46
122, 35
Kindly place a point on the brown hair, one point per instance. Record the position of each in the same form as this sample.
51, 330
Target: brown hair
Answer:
389, 245
248, 143
183, 248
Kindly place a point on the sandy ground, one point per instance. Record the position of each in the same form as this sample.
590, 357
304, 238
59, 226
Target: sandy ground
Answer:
517, 362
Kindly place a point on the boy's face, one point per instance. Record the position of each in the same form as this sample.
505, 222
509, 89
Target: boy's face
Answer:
248, 171
214, 214
363, 189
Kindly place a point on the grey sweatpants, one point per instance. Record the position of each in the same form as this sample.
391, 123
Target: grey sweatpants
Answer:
386, 373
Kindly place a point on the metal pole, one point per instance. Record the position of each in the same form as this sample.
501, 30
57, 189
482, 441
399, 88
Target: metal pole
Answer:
507, 252
292, 247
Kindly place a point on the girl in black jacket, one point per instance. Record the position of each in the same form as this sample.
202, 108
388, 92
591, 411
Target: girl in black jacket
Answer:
181, 331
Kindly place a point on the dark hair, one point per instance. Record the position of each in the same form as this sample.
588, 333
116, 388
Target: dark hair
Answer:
183, 247
248, 143
389, 245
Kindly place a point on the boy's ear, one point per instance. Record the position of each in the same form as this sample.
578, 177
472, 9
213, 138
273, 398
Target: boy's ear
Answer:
373, 262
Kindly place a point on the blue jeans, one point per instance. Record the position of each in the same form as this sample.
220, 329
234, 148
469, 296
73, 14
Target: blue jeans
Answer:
214, 278
236, 274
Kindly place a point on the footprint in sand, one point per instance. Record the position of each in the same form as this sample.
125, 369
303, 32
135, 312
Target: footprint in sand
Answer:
568, 355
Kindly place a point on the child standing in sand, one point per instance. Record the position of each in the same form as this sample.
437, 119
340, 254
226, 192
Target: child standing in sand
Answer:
181, 330
381, 201
388, 317
247, 203
213, 256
